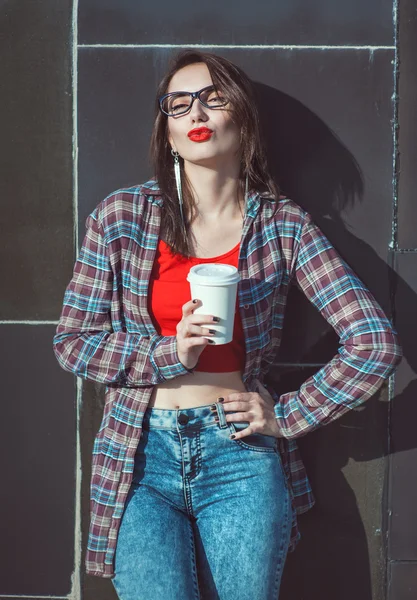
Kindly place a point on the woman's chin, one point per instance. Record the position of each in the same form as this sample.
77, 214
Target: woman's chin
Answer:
210, 160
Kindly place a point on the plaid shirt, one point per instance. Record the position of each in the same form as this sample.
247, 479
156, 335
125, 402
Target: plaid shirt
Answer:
106, 334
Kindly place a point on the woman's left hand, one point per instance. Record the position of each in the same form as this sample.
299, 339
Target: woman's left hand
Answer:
255, 407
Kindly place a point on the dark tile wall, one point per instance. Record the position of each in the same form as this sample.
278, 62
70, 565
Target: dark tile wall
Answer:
35, 157
38, 424
403, 529
234, 22
38, 438
403, 581
402, 551
407, 120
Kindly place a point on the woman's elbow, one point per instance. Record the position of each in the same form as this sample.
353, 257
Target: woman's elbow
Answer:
388, 353
63, 347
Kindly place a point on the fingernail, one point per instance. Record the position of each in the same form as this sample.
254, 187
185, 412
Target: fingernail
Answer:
195, 301
212, 330
211, 342
216, 319
232, 436
220, 399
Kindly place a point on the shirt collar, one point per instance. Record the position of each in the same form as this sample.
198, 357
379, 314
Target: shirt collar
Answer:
151, 189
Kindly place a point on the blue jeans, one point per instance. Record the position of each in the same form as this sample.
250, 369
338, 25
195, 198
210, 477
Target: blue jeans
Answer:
207, 517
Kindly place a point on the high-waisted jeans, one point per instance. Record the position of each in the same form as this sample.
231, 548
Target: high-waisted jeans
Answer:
207, 517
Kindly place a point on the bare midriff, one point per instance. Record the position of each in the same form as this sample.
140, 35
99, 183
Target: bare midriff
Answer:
196, 389
201, 388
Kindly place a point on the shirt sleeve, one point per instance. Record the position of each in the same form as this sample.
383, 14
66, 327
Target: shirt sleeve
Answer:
86, 344
369, 350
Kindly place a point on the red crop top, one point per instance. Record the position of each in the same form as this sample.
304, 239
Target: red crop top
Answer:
169, 290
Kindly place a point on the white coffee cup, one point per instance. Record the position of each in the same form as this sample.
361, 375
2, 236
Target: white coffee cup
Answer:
215, 284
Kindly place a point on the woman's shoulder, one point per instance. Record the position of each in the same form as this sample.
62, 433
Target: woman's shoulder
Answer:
127, 202
287, 218
287, 210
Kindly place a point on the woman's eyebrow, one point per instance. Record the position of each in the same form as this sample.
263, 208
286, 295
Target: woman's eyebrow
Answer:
206, 87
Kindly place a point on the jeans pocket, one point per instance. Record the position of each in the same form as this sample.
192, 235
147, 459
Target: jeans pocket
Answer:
259, 442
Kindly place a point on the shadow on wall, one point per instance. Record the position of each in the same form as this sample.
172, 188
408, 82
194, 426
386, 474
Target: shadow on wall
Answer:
333, 558
340, 555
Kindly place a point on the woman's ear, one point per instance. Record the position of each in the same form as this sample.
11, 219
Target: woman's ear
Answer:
171, 141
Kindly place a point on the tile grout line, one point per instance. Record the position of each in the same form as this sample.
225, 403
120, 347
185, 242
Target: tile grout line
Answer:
403, 561
393, 245
240, 46
76, 592
405, 250
75, 125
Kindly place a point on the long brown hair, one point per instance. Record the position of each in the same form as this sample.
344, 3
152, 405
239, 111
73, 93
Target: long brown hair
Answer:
236, 86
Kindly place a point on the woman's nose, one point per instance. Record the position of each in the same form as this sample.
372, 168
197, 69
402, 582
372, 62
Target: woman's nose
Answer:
197, 112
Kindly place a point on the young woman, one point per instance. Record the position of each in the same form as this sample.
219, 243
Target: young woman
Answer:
197, 479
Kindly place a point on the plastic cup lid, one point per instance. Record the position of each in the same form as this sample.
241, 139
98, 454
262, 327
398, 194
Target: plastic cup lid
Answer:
213, 274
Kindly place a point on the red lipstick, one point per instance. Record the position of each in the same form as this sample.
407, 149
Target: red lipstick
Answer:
200, 134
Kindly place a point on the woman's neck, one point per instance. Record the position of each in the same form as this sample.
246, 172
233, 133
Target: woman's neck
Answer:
217, 193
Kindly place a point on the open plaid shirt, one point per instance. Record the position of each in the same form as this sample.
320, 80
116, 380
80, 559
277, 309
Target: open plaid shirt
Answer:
106, 334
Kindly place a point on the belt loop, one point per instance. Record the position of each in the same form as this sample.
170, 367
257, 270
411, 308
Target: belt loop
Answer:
222, 415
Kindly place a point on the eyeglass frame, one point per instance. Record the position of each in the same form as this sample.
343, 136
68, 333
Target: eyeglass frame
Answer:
194, 96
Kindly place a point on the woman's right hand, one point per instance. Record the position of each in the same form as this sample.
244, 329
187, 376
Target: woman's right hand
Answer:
190, 340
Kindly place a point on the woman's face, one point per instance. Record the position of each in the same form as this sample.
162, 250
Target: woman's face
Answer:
219, 148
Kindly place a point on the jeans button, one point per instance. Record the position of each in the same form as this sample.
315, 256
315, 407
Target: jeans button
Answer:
183, 419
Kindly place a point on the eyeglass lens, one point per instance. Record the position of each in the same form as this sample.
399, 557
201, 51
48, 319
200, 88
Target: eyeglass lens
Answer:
179, 103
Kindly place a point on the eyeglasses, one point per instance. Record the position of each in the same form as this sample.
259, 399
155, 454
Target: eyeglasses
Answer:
179, 103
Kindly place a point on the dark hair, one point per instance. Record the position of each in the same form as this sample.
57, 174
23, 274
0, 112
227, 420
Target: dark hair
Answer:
237, 86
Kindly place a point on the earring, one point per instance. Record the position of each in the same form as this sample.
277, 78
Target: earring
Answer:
177, 172
246, 192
